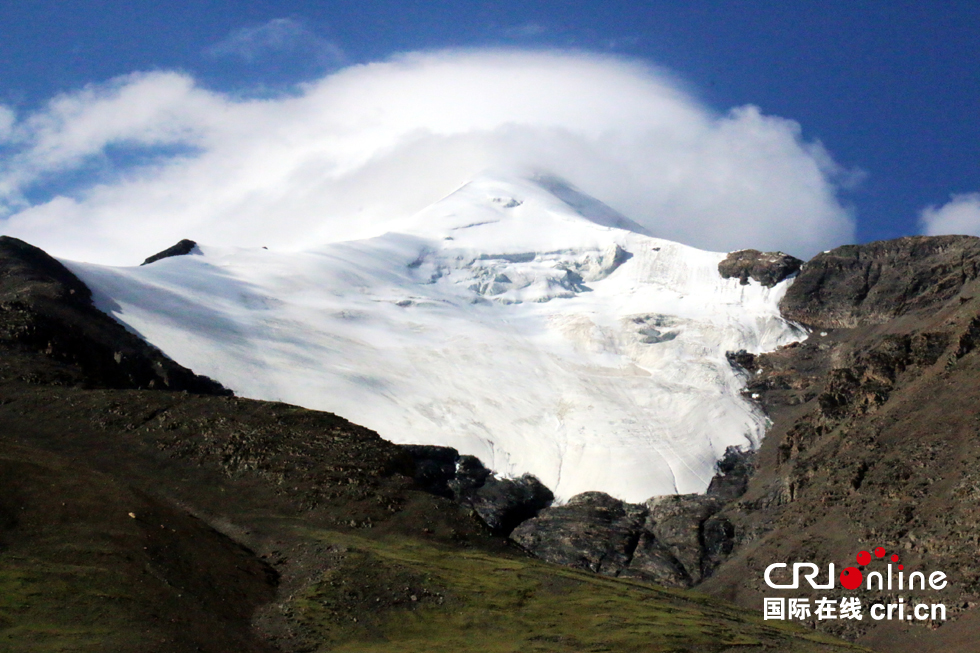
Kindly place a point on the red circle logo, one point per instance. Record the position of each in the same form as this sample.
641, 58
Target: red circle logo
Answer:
851, 578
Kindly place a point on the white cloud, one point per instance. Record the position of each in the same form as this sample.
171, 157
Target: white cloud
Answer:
374, 142
278, 36
140, 110
959, 216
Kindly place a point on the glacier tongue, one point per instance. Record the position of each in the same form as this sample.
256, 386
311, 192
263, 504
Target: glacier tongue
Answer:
516, 320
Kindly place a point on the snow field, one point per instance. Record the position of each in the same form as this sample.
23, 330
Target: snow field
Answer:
515, 320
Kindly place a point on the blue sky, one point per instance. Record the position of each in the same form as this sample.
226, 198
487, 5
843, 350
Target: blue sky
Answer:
891, 90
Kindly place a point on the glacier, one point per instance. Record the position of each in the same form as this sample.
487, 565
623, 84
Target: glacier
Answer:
516, 320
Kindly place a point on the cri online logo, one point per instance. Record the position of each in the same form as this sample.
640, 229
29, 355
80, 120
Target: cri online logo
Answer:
852, 577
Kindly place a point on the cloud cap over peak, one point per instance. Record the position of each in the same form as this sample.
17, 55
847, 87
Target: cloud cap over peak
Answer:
349, 153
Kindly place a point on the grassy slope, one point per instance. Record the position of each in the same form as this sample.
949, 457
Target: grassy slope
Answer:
77, 573
88, 564
413, 596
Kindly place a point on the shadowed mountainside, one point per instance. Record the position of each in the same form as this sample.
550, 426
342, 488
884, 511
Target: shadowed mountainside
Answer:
45, 309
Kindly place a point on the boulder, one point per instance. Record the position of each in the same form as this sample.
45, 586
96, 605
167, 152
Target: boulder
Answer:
593, 531
505, 503
767, 268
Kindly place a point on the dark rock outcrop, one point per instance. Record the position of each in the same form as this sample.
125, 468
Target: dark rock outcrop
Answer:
733, 473
671, 540
46, 309
470, 476
767, 268
871, 284
505, 503
435, 467
182, 248
592, 531
501, 503
741, 360
678, 523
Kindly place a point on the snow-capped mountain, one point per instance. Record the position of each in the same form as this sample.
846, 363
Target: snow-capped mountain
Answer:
516, 320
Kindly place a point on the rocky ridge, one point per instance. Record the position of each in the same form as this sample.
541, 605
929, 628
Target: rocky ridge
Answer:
181, 248
862, 285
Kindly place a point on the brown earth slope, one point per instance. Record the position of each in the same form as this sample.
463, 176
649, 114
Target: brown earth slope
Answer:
876, 435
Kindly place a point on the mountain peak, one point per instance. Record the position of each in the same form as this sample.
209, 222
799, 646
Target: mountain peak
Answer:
540, 213
587, 206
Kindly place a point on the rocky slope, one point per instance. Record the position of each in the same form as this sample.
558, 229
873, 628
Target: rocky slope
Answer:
875, 432
45, 308
137, 518
874, 442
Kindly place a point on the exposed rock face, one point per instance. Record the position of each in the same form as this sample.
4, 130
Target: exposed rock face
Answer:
182, 248
734, 471
592, 531
45, 308
501, 503
768, 268
873, 283
673, 540
680, 523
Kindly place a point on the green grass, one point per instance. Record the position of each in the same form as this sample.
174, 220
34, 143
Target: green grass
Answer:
46, 607
472, 601
407, 596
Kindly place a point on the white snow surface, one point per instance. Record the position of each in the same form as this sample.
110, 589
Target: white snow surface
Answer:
516, 320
